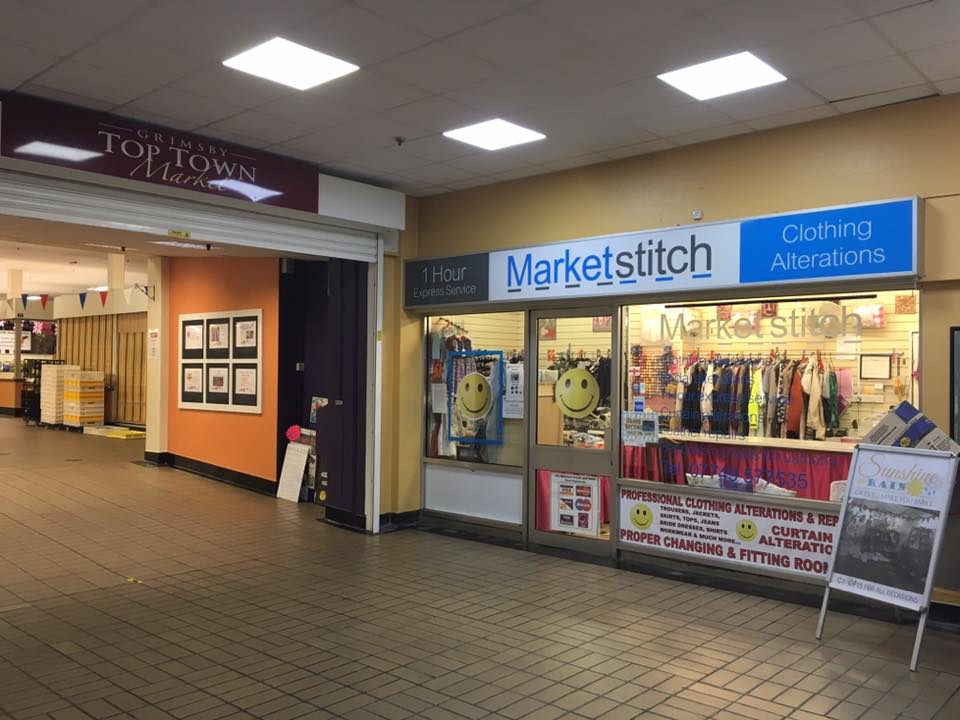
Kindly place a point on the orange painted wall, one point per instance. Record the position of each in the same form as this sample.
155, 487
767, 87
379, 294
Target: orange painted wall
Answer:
10, 393
238, 441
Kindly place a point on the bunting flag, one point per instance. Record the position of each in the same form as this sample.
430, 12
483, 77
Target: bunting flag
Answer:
83, 300
23, 299
103, 297
43, 301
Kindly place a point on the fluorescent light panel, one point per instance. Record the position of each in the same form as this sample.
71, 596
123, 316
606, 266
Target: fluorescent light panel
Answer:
58, 152
494, 134
723, 76
98, 288
290, 64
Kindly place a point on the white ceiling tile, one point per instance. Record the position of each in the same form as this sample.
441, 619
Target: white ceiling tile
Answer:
600, 25
276, 16
628, 99
817, 112
644, 148
949, 86
781, 97
436, 67
512, 92
874, 7
267, 129
18, 64
715, 133
98, 84
313, 109
938, 62
196, 29
441, 17
682, 119
437, 174
388, 160
436, 113
609, 134
369, 91
469, 183
550, 149
47, 31
923, 25
487, 163
430, 190
353, 138
106, 13
829, 48
64, 96
587, 70
184, 106
576, 161
864, 78
762, 22
884, 98
518, 173
219, 82
517, 40
438, 148
355, 35
140, 57
691, 40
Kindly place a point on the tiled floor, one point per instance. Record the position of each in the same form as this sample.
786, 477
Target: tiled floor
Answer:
139, 592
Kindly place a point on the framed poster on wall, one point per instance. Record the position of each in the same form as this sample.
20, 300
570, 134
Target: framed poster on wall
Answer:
246, 337
218, 338
191, 339
218, 384
220, 360
245, 385
191, 383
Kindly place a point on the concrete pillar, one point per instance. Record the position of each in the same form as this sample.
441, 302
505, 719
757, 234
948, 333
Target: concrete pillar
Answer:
158, 345
116, 269
14, 284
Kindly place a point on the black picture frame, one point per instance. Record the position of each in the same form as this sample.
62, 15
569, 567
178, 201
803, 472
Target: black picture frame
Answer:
191, 397
216, 353
195, 353
955, 386
217, 398
245, 400
248, 352
872, 374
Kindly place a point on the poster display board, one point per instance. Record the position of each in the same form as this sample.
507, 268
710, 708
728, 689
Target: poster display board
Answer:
220, 361
513, 392
719, 529
891, 526
575, 503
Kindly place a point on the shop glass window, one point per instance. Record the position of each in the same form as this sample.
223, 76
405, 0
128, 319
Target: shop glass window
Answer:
573, 381
475, 376
755, 396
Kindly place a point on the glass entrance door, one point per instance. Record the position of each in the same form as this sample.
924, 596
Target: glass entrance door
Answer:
574, 428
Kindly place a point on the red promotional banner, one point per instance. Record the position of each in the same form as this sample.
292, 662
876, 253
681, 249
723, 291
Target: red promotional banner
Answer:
50, 132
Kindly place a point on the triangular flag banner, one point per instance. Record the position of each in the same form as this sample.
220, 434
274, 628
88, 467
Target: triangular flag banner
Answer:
43, 301
23, 299
83, 300
103, 297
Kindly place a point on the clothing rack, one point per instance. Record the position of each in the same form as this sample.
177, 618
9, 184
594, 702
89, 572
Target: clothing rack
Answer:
455, 325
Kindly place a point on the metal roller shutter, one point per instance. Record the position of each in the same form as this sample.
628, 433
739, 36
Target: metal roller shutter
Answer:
46, 198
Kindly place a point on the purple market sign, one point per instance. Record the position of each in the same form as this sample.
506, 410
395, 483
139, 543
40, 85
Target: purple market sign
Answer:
49, 132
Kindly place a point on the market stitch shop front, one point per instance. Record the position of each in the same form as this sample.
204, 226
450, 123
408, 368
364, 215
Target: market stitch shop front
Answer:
687, 396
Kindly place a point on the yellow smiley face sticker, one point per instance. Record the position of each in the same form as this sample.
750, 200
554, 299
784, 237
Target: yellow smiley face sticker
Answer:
746, 530
577, 393
641, 516
474, 396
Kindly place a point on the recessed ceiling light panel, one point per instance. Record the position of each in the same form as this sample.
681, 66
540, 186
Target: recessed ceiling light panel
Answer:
723, 76
494, 134
181, 244
290, 64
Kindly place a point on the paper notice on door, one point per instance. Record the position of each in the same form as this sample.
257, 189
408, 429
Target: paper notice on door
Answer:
291, 476
438, 398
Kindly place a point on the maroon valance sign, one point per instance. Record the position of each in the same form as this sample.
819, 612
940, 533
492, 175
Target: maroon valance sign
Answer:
49, 132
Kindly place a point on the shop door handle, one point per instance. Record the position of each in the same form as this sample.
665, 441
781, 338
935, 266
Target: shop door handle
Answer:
338, 402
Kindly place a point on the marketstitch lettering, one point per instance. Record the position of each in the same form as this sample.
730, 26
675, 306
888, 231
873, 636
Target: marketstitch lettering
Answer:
810, 324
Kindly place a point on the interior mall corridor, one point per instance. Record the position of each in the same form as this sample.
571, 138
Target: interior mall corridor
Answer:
139, 592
